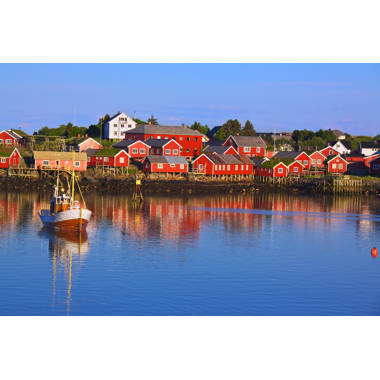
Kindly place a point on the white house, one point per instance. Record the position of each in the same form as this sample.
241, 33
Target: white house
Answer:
369, 148
341, 146
116, 127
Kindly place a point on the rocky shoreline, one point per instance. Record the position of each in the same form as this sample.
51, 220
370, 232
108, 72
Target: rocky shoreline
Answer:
127, 185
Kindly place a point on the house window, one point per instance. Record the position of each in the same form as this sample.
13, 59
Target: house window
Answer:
331, 152
295, 170
228, 167
182, 166
313, 161
88, 159
142, 151
115, 133
167, 151
105, 159
129, 126
188, 139
135, 150
115, 125
224, 167
1, 141
319, 161
77, 164
122, 125
246, 167
236, 167
280, 170
247, 149
3, 160
181, 138
45, 162
175, 151
340, 166
200, 166
121, 160
196, 138
187, 150
242, 167
159, 137
8, 141
257, 150
172, 165
334, 166
160, 166
305, 162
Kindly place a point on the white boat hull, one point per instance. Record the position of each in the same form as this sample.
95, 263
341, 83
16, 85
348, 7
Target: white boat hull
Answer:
73, 219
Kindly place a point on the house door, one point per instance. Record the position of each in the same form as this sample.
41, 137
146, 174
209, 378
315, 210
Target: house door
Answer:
14, 161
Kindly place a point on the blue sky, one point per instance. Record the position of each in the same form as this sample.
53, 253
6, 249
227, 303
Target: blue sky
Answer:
279, 97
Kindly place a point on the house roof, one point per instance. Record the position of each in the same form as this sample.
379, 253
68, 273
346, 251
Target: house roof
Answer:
81, 141
224, 159
273, 163
126, 143
287, 155
176, 160
159, 143
156, 159
13, 134
6, 152
370, 144
91, 152
164, 130
257, 161
107, 152
253, 141
216, 148
50, 155
345, 143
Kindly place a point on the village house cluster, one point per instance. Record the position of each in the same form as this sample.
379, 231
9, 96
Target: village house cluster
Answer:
181, 150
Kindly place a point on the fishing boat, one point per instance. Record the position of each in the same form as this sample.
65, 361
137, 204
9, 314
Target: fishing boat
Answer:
65, 212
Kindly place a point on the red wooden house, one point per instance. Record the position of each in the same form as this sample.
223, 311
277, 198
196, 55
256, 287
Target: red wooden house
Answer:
136, 149
165, 164
317, 160
10, 138
301, 157
329, 151
296, 168
337, 165
375, 166
271, 168
189, 139
109, 157
9, 158
247, 145
212, 163
164, 147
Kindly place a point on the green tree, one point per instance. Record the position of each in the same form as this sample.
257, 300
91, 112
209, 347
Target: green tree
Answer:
221, 134
201, 128
138, 121
249, 129
152, 120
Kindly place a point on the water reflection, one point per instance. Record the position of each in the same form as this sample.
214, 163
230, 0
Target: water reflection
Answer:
256, 254
179, 220
62, 246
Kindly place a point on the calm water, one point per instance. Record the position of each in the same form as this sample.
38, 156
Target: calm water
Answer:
263, 254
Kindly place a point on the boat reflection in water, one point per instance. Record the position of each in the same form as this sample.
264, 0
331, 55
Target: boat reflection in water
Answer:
63, 245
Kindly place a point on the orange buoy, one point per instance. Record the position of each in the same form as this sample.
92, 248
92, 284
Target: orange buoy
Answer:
374, 252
